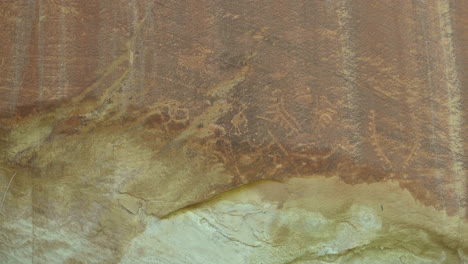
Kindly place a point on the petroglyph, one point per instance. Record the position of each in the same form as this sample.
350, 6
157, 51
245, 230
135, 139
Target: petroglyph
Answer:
324, 113
278, 114
379, 150
240, 122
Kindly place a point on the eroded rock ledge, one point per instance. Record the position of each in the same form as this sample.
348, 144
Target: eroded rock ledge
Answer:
308, 220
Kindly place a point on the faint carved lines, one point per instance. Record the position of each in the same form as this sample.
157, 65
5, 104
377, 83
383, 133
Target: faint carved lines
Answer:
411, 155
278, 114
319, 156
103, 75
324, 113
222, 90
375, 141
102, 109
239, 121
278, 143
227, 143
126, 57
161, 114
6, 191
177, 82
380, 151
216, 110
177, 112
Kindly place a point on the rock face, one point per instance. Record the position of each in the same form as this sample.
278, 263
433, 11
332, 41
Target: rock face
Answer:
233, 131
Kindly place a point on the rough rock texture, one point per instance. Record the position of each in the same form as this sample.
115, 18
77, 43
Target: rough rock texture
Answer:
239, 131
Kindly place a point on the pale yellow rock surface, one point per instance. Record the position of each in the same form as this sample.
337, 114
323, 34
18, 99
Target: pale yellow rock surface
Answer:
304, 221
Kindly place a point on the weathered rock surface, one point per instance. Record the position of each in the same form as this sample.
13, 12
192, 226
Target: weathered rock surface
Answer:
233, 131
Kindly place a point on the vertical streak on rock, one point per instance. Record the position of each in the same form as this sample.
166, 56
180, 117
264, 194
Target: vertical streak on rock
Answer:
106, 40
133, 75
40, 51
41, 99
100, 36
62, 60
40, 67
431, 87
428, 67
139, 47
454, 102
109, 37
148, 56
24, 24
348, 69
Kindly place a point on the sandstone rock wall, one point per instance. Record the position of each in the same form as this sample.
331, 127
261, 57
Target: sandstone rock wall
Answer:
241, 131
